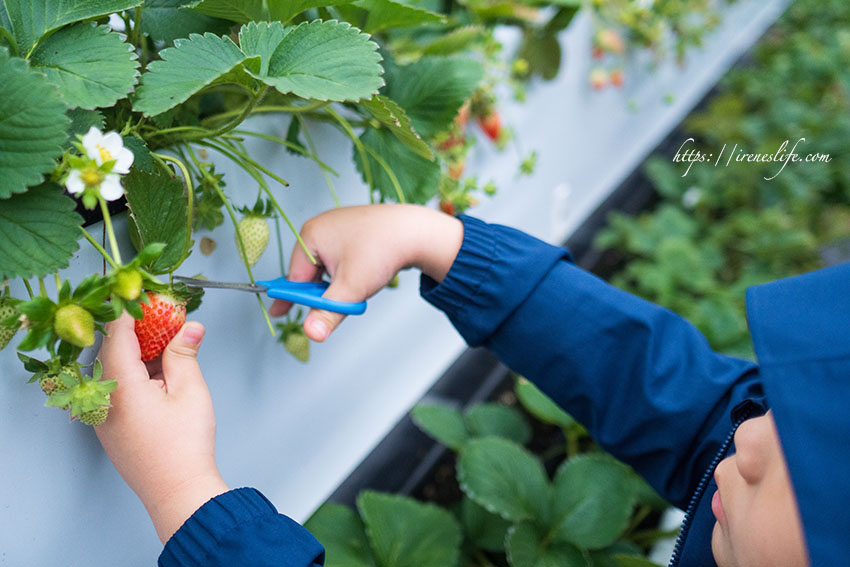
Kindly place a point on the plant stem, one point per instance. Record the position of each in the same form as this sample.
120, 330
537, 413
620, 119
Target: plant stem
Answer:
99, 248
241, 117
41, 287
107, 222
290, 145
364, 159
247, 159
29, 288
316, 153
58, 282
233, 155
269, 109
223, 197
190, 190
279, 245
137, 25
390, 173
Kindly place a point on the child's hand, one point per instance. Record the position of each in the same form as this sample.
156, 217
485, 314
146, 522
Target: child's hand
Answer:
362, 248
160, 433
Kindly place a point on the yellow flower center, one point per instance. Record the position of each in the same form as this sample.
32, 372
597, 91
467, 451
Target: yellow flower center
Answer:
91, 177
104, 153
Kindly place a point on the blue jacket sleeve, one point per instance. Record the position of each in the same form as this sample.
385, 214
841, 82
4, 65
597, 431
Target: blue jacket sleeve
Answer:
241, 527
641, 379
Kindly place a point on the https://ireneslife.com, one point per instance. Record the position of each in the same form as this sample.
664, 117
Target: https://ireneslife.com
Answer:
735, 154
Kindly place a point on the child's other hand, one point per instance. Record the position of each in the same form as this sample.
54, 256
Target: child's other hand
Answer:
362, 248
160, 433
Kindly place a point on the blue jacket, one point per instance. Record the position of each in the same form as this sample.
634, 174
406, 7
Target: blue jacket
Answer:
642, 380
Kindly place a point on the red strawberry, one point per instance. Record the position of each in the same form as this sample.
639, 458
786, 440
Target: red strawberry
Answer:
163, 318
447, 207
492, 125
617, 77
597, 52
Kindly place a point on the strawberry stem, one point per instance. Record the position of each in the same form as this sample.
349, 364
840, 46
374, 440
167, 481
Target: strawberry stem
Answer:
294, 147
364, 160
190, 192
393, 179
248, 164
29, 288
98, 247
214, 184
107, 222
316, 153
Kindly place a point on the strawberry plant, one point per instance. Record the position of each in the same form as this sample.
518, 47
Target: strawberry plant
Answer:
510, 512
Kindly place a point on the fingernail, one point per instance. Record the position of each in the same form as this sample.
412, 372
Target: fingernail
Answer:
319, 328
192, 334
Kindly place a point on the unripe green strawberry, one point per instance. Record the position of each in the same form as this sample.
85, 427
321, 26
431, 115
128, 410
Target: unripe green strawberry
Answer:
74, 325
97, 416
6, 332
128, 284
52, 383
255, 236
298, 344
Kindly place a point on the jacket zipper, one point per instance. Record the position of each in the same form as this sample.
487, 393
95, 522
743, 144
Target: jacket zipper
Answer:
700, 490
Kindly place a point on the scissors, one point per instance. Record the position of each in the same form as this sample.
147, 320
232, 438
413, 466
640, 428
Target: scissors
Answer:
302, 293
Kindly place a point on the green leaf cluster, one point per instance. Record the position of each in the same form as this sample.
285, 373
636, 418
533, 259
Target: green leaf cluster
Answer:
511, 510
329, 61
390, 531
719, 230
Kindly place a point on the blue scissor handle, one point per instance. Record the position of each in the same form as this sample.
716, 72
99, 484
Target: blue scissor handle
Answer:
310, 294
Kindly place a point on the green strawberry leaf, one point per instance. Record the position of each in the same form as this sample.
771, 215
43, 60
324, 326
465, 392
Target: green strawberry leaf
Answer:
142, 158
38, 232
432, 90
29, 20
167, 20
417, 177
315, 60
540, 406
442, 423
81, 121
485, 529
593, 499
245, 11
158, 210
497, 420
32, 128
391, 115
504, 478
402, 531
185, 69
92, 66
527, 546
343, 535
384, 14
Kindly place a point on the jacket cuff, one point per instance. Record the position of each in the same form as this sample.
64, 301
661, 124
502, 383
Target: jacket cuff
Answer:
496, 268
204, 532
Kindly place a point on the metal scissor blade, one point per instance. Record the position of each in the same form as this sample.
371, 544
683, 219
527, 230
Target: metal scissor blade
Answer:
194, 282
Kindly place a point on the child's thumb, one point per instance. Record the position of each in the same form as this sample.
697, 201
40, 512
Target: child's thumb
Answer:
179, 359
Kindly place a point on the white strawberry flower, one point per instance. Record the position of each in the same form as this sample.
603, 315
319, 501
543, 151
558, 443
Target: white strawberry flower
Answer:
88, 173
106, 147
